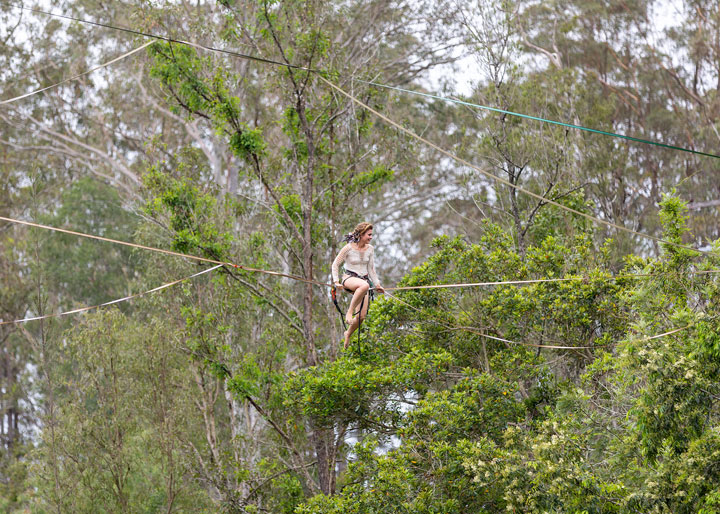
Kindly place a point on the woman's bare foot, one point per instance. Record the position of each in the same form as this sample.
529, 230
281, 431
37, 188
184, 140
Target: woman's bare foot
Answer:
349, 318
347, 340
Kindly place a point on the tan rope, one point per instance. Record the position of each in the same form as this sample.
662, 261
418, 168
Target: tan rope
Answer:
488, 336
500, 179
650, 338
534, 345
302, 279
396, 125
500, 283
322, 284
123, 56
119, 300
543, 280
478, 284
167, 252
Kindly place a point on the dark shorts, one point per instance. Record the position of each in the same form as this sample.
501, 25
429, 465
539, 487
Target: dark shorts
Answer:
349, 274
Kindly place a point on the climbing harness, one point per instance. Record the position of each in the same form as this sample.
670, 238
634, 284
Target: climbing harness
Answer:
366, 278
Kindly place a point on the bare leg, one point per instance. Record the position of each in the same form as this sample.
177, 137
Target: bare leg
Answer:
359, 319
350, 331
364, 310
355, 324
359, 288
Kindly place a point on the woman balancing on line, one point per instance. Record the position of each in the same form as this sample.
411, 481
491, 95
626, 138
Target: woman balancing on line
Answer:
359, 274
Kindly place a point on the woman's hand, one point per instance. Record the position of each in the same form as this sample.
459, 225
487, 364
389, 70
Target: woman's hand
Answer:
338, 285
379, 289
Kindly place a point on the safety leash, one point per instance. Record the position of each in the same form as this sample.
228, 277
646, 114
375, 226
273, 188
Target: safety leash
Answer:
370, 297
362, 302
333, 295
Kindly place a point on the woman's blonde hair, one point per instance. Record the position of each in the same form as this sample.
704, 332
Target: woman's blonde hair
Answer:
359, 231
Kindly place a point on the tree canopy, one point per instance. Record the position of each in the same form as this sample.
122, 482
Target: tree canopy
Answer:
580, 377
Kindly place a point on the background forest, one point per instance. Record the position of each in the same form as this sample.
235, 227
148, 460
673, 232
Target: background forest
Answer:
230, 391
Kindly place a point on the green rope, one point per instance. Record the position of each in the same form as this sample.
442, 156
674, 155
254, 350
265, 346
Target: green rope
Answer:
322, 74
553, 122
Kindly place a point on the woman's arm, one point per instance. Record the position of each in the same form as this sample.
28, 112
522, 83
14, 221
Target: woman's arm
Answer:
337, 262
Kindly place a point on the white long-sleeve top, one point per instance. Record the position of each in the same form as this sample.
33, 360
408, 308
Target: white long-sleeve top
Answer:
361, 262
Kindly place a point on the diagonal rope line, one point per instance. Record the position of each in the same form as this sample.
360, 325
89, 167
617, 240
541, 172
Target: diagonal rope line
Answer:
323, 284
376, 84
658, 336
544, 120
168, 39
501, 180
535, 345
113, 302
167, 252
385, 118
388, 120
75, 77
488, 336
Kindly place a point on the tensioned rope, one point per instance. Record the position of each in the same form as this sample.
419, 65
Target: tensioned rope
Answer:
500, 179
592, 218
577, 278
113, 302
399, 127
324, 284
376, 84
537, 345
537, 118
166, 39
167, 252
75, 77
409, 132
302, 279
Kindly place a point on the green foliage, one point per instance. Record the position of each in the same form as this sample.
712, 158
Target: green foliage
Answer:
554, 222
449, 414
107, 452
292, 127
634, 433
474, 407
247, 143
182, 72
373, 179
353, 389
673, 214
15, 493
92, 207
426, 473
192, 214
545, 471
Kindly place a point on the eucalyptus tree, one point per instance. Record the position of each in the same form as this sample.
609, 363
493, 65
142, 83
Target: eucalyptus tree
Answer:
263, 164
296, 180
644, 72
311, 154
16, 298
616, 68
501, 417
